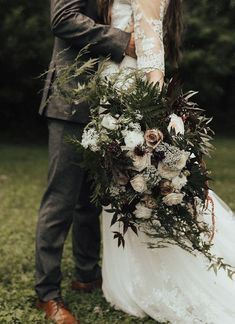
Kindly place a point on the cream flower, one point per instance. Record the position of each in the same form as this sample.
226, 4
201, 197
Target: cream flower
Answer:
153, 137
176, 124
179, 182
140, 162
109, 122
142, 212
173, 199
181, 162
133, 139
138, 183
166, 172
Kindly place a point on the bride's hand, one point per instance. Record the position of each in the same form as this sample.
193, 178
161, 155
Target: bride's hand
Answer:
156, 76
130, 50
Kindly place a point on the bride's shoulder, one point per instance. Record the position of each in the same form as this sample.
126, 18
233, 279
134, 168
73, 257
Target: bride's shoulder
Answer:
158, 4
151, 7
123, 1
154, 2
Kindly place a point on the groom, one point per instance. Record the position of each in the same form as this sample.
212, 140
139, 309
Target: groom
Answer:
66, 201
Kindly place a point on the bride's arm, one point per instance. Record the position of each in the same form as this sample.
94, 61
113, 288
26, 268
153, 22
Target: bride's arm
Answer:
148, 27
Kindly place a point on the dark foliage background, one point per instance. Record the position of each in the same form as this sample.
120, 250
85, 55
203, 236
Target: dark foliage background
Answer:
26, 42
25, 50
209, 58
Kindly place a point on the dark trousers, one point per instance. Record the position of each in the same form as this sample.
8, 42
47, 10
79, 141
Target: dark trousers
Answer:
65, 202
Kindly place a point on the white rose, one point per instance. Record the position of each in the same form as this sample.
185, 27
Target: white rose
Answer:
177, 124
166, 172
179, 182
142, 212
133, 139
109, 122
173, 199
138, 183
140, 162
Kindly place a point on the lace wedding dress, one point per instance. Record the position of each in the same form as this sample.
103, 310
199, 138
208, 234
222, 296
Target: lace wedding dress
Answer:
169, 285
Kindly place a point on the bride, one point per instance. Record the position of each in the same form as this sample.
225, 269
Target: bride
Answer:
169, 285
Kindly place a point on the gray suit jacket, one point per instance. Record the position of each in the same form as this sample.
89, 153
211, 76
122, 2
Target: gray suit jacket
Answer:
75, 24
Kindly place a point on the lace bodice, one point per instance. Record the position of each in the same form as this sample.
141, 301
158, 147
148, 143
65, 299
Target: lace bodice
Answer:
146, 18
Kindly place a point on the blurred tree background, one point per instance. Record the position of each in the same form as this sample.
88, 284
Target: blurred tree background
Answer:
209, 58
26, 44
25, 49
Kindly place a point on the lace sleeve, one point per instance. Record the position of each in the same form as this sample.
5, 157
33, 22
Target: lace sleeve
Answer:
148, 27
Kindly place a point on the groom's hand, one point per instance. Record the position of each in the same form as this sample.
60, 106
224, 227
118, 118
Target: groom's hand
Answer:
130, 50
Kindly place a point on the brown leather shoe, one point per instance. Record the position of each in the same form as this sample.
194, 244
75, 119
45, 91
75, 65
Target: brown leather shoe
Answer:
86, 287
56, 311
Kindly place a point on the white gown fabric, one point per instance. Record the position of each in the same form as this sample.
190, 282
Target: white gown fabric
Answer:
169, 285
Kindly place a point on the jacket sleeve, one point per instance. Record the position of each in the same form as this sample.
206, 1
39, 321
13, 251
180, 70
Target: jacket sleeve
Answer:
69, 24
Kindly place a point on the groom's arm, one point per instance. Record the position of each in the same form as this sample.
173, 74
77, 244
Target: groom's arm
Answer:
69, 24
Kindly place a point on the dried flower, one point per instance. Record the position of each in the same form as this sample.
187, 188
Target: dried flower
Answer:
151, 176
139, 150
175, 159
150, 202
166, 187
158, 156
153, 137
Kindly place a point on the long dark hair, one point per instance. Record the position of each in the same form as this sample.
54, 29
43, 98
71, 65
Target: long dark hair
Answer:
173, 26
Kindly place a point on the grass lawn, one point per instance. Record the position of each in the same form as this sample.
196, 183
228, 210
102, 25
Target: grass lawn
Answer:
23, 171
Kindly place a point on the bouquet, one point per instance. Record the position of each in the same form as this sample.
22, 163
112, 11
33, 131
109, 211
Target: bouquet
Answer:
144, 150
148, 147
